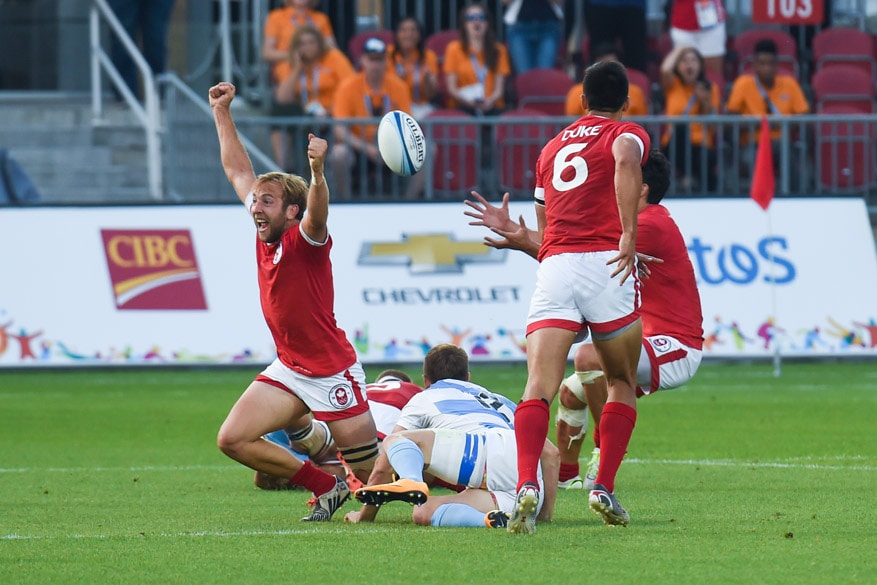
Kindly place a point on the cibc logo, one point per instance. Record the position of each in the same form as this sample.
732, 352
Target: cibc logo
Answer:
153, 270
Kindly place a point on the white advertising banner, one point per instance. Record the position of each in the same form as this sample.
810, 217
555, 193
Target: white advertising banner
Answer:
177, 284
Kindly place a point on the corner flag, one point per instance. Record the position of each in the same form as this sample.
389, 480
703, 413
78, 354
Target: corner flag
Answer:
763, 180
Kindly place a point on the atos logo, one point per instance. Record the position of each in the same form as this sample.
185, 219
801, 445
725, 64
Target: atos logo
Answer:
737, 264
153, 269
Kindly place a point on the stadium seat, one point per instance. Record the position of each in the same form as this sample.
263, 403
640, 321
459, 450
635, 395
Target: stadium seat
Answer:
843, 84
544, 90
457, 150
642, 81
357, 42
439, 40
845, 152
518, 145
840, 45
744, 49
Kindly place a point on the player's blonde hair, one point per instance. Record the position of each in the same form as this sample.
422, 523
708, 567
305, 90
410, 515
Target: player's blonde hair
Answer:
295, 189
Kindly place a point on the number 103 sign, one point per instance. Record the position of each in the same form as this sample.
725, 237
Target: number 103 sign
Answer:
788, 11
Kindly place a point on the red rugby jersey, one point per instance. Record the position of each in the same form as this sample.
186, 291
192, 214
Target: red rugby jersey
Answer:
297, 293
670, 301
575, 181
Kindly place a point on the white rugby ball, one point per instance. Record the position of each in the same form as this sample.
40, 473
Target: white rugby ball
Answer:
402, 143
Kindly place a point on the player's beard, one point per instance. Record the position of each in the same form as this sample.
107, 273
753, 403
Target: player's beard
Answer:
274, 229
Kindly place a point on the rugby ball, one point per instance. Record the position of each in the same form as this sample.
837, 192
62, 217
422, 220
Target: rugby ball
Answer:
401, 143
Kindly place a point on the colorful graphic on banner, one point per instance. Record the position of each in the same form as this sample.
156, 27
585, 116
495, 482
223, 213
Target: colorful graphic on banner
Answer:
153, 269
761, 290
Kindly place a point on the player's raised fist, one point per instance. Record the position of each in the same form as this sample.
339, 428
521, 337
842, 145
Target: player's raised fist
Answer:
221, 94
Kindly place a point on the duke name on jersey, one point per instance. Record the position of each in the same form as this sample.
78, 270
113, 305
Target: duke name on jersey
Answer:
454, 404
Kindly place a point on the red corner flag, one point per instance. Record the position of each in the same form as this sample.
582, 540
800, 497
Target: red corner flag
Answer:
763, 181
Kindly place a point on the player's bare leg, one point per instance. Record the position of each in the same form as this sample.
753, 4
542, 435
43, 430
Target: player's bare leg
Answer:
261, 409
547, 351
619, 355
357, 439
586, 389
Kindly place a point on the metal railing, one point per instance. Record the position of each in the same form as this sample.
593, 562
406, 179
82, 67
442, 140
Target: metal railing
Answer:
148, 114
814, 155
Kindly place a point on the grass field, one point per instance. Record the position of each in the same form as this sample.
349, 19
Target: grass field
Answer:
740, 477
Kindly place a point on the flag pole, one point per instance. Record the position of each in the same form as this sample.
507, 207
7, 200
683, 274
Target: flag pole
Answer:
762, 191
777, 357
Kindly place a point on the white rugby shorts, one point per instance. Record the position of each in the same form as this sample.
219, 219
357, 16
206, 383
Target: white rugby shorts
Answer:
665, 363
334, 397
486, 460
575, 290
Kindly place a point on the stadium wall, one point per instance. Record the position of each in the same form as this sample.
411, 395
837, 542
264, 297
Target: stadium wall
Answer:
177, 285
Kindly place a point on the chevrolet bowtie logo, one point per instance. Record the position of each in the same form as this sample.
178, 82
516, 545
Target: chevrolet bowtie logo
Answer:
428, 253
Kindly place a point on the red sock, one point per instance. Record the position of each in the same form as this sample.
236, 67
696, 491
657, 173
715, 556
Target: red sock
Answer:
597, 435
568, 471
616, 427
531, 429
316, 480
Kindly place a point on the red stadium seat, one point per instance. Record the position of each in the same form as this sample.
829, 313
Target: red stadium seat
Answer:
839, 45
843, 84
457, 150
518, 145
357, 42
544, 90
845, 152
439, 41
744, 48
641, 80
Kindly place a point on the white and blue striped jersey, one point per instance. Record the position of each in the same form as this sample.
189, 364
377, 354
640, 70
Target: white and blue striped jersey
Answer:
454, 404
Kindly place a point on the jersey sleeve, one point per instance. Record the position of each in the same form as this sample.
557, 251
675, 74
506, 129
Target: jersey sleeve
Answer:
411, 417
539, 191
639, 134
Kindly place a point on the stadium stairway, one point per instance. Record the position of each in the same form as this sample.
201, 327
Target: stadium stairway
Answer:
70, 158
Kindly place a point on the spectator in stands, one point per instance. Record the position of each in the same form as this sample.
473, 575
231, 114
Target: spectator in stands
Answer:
315, 72
279, 28
371, 93
688, 92
415, 65
534, 32
147, 24
477, 65
610, 20
767, 92
576, 104
700, 24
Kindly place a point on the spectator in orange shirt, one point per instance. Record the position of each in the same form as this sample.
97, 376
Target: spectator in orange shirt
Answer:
415, 65
371, 93
576, 104
279, 28
315, 72
476, 66
767, 92
688, 92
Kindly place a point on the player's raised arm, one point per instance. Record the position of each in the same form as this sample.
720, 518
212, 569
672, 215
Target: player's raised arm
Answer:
628, 183
314, 221
235, 160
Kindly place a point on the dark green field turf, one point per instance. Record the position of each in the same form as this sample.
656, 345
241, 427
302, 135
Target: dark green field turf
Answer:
113, 476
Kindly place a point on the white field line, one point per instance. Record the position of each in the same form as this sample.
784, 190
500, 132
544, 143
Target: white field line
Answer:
818, 463
792, 463
201, 534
